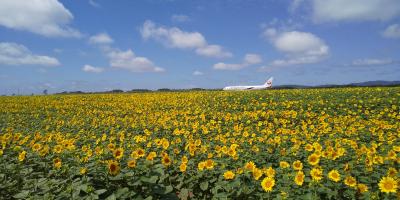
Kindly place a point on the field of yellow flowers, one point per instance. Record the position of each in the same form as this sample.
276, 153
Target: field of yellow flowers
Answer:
274, 144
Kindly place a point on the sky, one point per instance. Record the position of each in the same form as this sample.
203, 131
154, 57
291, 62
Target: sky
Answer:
99, 45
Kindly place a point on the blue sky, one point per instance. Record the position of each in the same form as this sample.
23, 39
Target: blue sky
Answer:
97, 45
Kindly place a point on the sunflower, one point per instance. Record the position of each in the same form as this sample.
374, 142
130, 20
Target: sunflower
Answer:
299, 178
250, 166
392, 172
313, 159
297, 165
334, 175
118, 153
350, 181
111, 146
257, 173
309, 147
21, 156
232, 152
37, 147
184, 159
316, 174
201, 166
270, 172
83, 170
388, 184
239, 170
229, 175
182, 167
58, 149
57, 163
209, 164
140, 152
113, 167
267, 184
165, 144
132, 163
98, 150
151, 156
362, 188
166, 161
284, 164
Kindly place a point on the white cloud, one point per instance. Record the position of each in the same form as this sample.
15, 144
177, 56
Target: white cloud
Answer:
372, 61
180, 18
354, 10
129, 61
215, 51
198, 73
89, 68
300, 42
226, 66
299, 47
176, 38
172, 37
101, 38
249, 59
16, 54
120, 59
392, 31
44, 17
252, 59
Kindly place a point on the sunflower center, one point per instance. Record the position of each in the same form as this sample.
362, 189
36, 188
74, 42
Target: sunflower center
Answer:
388, 186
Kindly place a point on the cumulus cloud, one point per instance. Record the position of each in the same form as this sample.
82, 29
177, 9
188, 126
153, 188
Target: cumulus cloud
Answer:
213, 51
354, 10
129, 61
126, 60
198, 73
371, 62
298, 47
44, 17
392, 31
176, 38
91, 69
101, 38
180, 18
249, 59
16, 54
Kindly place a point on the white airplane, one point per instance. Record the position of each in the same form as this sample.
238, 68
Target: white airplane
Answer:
267, 85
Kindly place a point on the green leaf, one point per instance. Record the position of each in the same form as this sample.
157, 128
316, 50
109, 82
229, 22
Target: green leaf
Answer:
152, 179
204, 185
184, 194
22, 195
222, 195
84, 187
101, 191
168, 189
121, 191
111, 197
149, 198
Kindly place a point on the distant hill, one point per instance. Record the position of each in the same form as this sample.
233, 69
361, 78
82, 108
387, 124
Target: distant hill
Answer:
361, 84
376, 83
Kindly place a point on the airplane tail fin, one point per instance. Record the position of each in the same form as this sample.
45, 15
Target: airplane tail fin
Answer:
269, 82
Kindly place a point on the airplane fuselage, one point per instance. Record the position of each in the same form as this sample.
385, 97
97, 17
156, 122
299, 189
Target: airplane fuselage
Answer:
247, 87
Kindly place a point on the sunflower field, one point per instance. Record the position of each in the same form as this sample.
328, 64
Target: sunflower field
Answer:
272, 144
